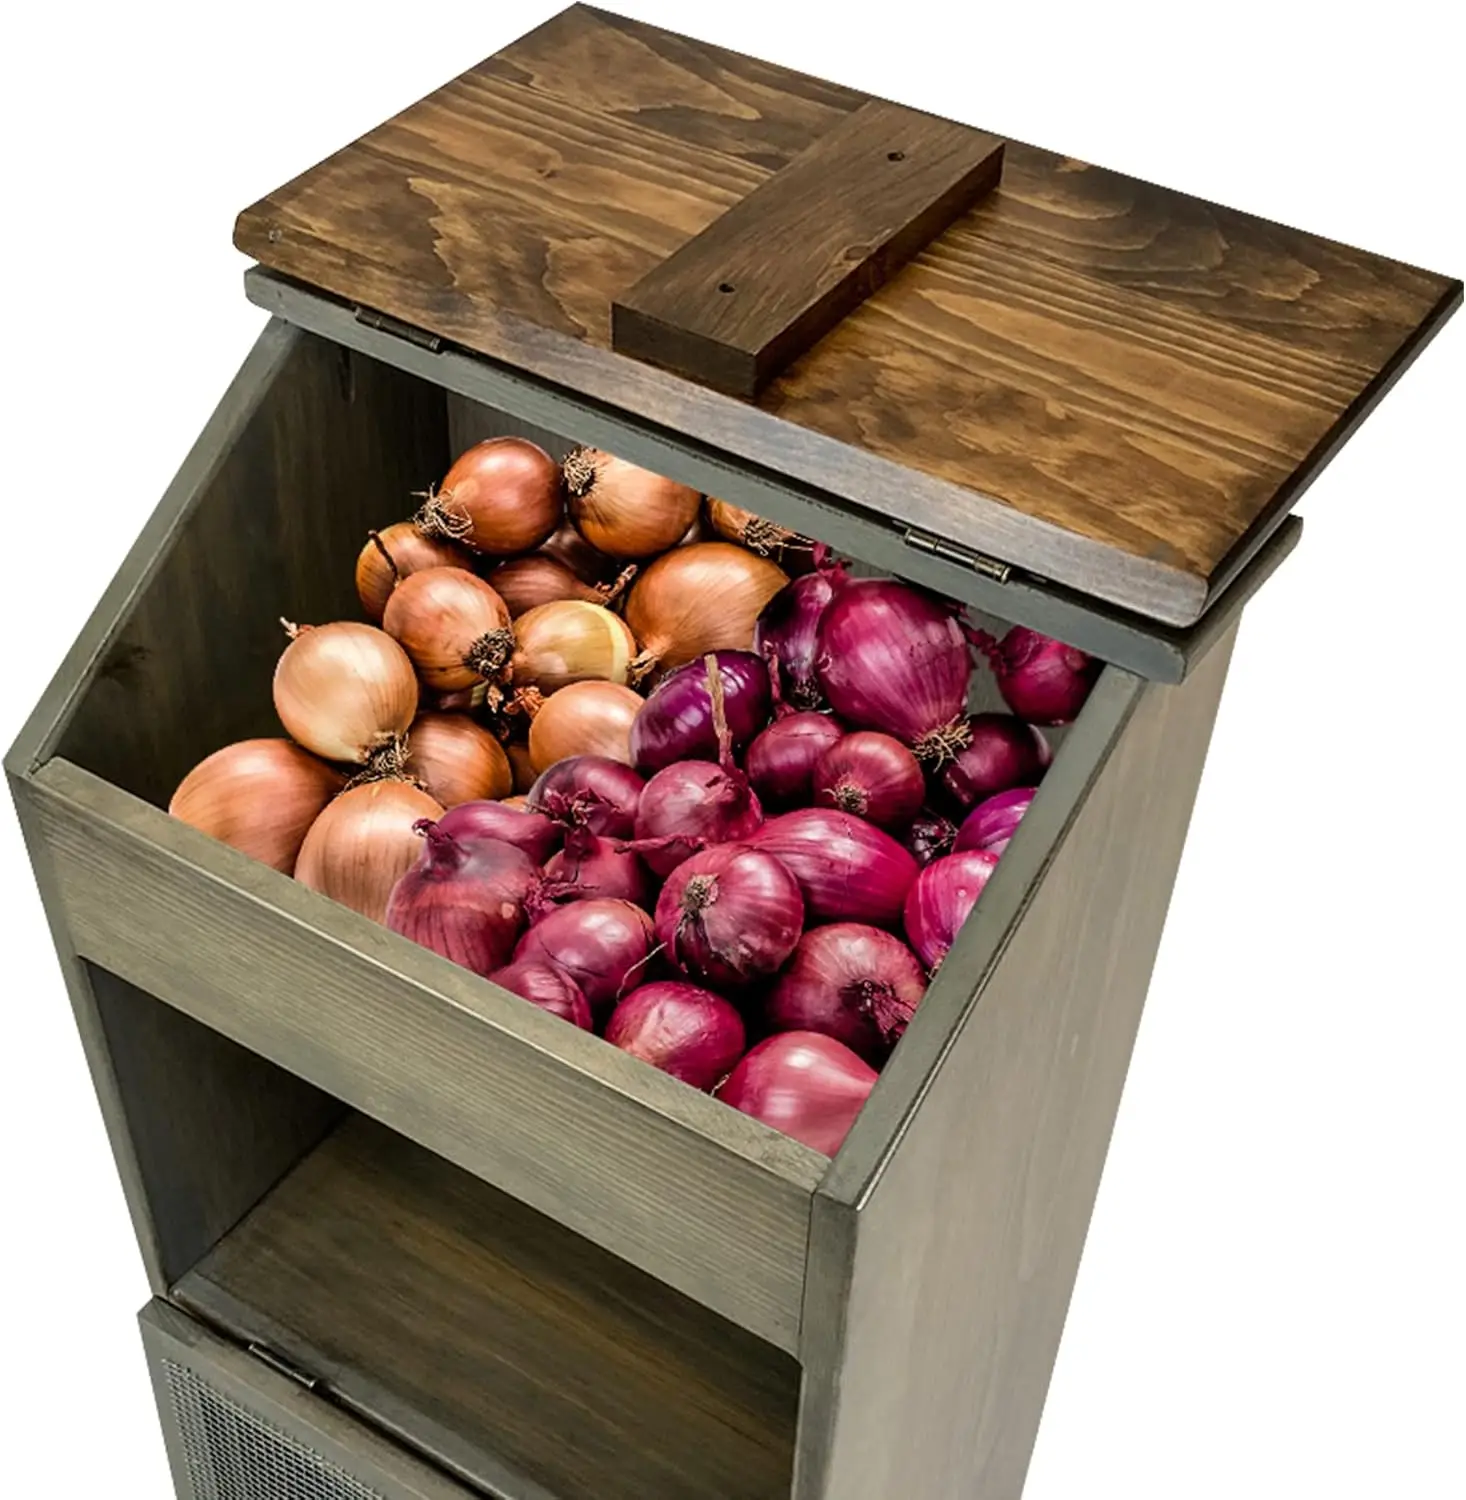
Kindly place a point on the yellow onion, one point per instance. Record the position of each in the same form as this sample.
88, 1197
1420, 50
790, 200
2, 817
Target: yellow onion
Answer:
346, 691
259, 796
390, 556
757, 533
522, 764
520, 801
569, 547
625, 511
457, 760
692, 600
569, 641
586, 718
524, 583
453, 626
364, 843
501, 497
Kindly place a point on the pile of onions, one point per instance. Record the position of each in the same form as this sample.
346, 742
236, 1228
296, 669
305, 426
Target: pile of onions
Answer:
570, 641
527, 582
930, 836
259, 796
807, 1085
603, 945
940, 900
759, 534
873, 776
855, 983
895, 659
549, 988
463, 899
848, 870
692, 600
586, 869
676, 722
1001, 752
586, 718
991, 825
787, 635
730, 915
347, 692
1041, 679
691, 1033
364, 842
624, 511
590, 791
456, 760
781, 761
452, 625
536, 834
394, 554
501, 497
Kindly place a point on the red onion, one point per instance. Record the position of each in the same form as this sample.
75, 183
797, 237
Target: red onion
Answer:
930, 836
463, 899
873, 776
730, 915
549, 988
676, 722
1041, 679
807, 1085
991, 824
536, 834
589, 867
894, 659
848, 870
781, 761
944, 893
691, 1033
855, 983
1001, 752
589, 791
787, 635
602, 945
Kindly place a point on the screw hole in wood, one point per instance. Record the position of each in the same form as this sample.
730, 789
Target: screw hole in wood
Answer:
895, 156
725, 286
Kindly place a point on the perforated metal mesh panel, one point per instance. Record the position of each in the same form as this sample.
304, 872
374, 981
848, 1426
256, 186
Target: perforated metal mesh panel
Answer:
232, 1454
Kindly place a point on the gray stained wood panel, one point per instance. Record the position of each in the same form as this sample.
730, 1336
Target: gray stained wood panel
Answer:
410, 1287
940, 1280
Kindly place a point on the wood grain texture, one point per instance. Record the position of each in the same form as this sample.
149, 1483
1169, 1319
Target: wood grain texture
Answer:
1107, 383
984, 1191
382, 1269
771, 276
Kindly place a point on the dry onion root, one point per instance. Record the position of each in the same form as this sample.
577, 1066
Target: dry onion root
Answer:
624, 511
394, 554
455, 760
757, 533
453, 626
501, 497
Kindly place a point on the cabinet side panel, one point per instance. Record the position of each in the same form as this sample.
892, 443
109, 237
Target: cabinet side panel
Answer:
967, 1246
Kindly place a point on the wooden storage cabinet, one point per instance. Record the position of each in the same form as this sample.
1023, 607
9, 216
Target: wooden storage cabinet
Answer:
409, 1236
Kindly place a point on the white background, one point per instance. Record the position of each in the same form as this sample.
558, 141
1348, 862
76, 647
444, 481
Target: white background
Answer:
1271, 1302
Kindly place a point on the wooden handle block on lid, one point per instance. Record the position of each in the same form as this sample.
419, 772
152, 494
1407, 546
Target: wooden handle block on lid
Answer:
774, 274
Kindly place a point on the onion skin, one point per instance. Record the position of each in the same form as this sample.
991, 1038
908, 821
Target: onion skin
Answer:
787, 635
941, 899
457, 760
730, 915
780, 763
990, 825
257, 796
806, 1085
567, 546
589, 868
501, 497
522, 766
692, 600
396, 553
930, 836
1041, 679
345, 691
759, 534
602, 945
364, 843
592, 792
1001, 752
895, 659
873, 776
691, 806
464, 900
855, 983
532, 832
586, 718
848, 870
570, 641
624, 511
524, 583
683, 1030
547, 987
676, 721
452, 625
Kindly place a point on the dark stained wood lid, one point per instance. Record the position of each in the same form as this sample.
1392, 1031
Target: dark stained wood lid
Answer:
1106, 384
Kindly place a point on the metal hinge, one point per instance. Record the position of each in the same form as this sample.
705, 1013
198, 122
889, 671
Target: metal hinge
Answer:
408, 332
282, 1366
964, 557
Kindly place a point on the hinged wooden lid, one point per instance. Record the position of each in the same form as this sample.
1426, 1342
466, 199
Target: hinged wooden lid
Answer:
1096, 381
